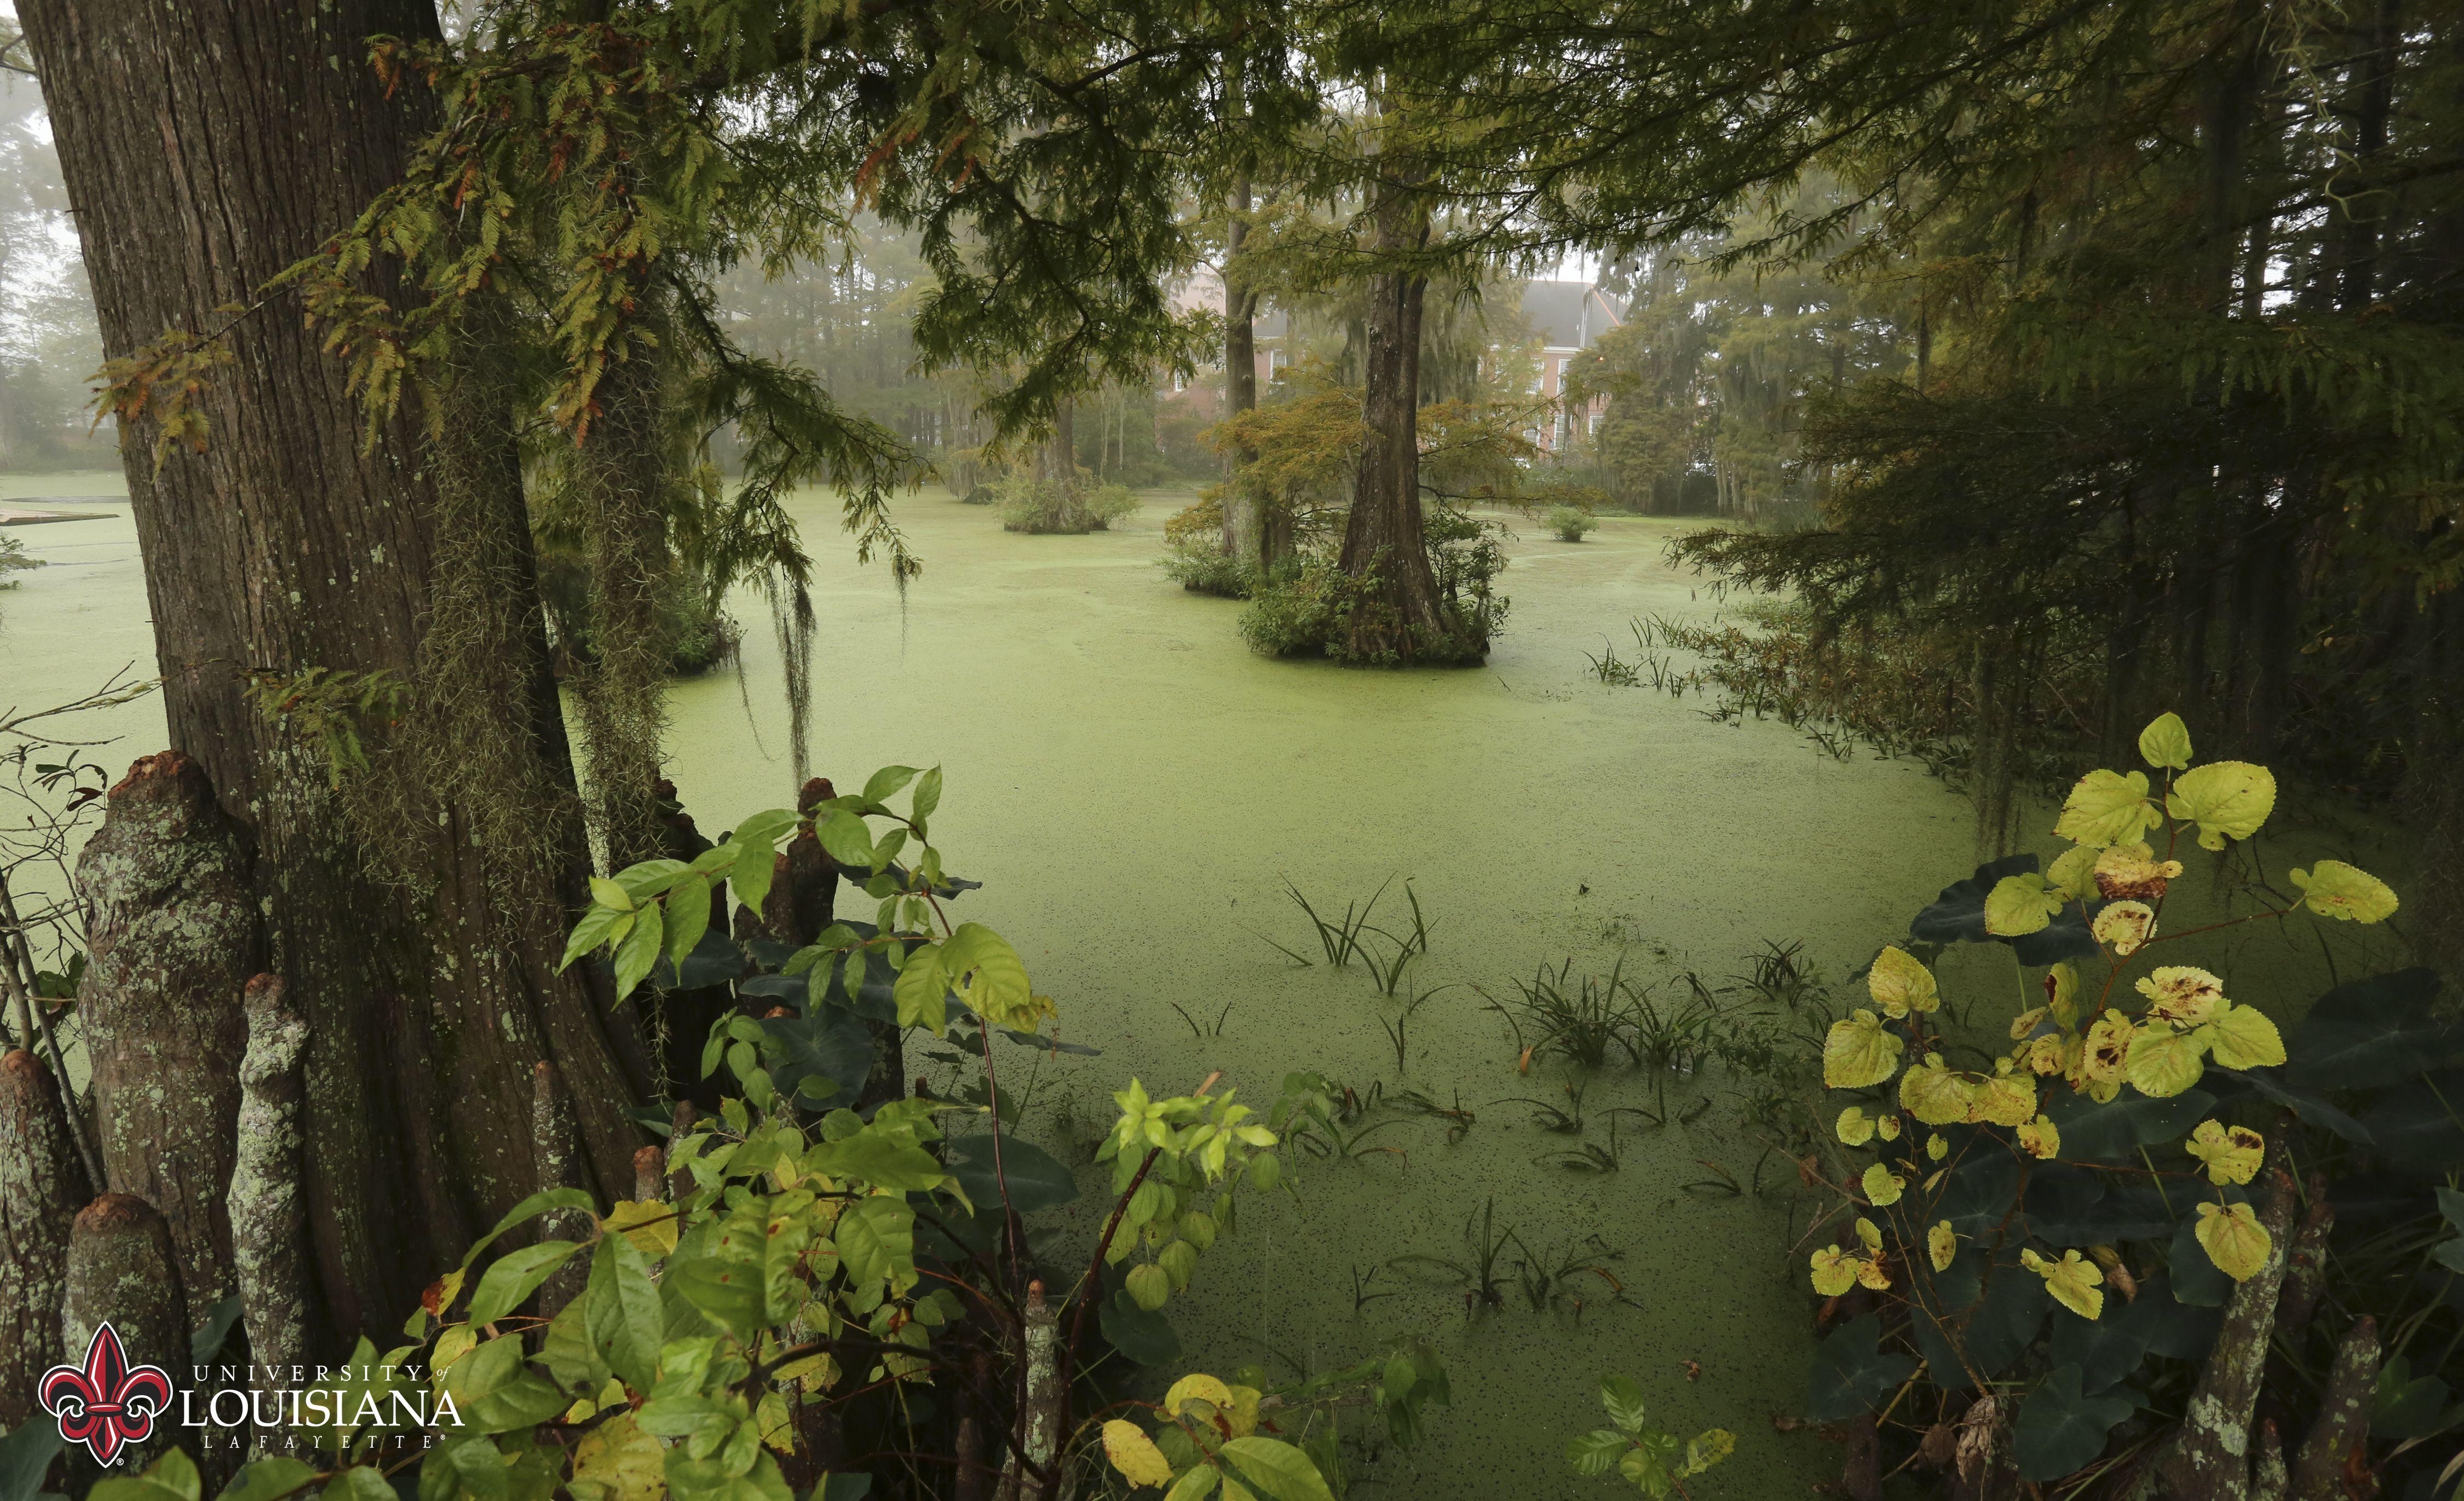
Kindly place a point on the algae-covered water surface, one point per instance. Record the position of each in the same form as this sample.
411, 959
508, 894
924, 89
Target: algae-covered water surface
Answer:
1135, 790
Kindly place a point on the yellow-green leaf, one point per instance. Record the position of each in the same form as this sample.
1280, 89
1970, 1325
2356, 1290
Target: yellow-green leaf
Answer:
2242, 1038
1855, 1127
1859, 1051
1935, 1094
2125, 927
2040, 1138
2183, 994
2164, 1063
1834, 1271
2232, 1154
2020, 904
1198, 1386
1135, 1455
2003, 1100
2107, 808
1882, 1186
2332, 888
2165, 741
2075, 1283
1942, 1244
1899, 984
2073, 873
608, 893
2234, 1239
2227, 799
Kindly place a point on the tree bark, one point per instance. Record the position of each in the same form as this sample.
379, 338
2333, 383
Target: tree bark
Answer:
206, 146
1394, 615
123, 1270
42, 1187
270, 1253
2210, 1459
171, 939
1248, 533
2343, 1421
553, 1147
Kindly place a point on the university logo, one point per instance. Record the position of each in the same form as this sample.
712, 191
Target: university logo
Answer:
105, 1404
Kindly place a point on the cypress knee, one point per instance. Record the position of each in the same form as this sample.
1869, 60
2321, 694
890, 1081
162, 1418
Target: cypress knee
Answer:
42, 1185
269, 1220
172, 936
123, 1270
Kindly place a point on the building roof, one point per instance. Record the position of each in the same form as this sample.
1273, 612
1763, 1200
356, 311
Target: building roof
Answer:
1570, 315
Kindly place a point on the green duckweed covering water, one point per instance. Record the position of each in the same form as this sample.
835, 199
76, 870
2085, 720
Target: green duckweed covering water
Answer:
1134, 787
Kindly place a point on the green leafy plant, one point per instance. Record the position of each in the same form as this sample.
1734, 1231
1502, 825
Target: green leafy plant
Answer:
1657, 1462
1571, 523
2070, 1215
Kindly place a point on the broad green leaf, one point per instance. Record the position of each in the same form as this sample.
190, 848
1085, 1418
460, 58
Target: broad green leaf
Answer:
884, 784
879, 1158
2020, 904
2242, 1038
1935, 1094
927, 795
2376, 1031
1858, 1051
514, 1276
723, 1280
649, 877
264, 1479
1899, 984
1196, 1484
2107, 808
1149, 1286
538, 1204
876, 1241
608, 894
846, 838
621, 1311
2165, 741
691, 1479
2061, 1431
687, 917
1851, 1374
1597, 1452
2164, 1063
1277, 1468
638, 952
922, 992
994, 977
2227, 799
597, 926
494, 1392
364, 1483
1621, 1396
2332, 888
171, 1478
2073, 873
749, 878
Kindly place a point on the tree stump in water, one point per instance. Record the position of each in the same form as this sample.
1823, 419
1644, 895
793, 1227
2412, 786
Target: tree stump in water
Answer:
42, 1187
123, 1270
173, 938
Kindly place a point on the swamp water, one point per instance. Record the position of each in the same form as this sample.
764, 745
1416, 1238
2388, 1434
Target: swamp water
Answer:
1133, 787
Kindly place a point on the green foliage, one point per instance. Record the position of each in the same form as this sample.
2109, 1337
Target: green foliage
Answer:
328, 707
14, 559
1571, 523
1657, 1463
1044, 506
2093, 1174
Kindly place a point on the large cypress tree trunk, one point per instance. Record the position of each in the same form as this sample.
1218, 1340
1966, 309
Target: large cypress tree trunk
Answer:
207, 146
1249, 533
1396, 615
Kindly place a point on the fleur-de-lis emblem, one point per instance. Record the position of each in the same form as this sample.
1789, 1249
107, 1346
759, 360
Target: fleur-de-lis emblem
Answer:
106, 1403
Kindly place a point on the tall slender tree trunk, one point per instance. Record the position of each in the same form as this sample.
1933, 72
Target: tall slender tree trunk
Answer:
1249, 532
1395, 614
206, 146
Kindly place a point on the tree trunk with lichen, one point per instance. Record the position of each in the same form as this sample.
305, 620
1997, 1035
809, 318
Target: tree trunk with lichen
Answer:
206, 147
2343, 1425
123, 1271
42, 1187
2210, 1460
269, 1221
171, 938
